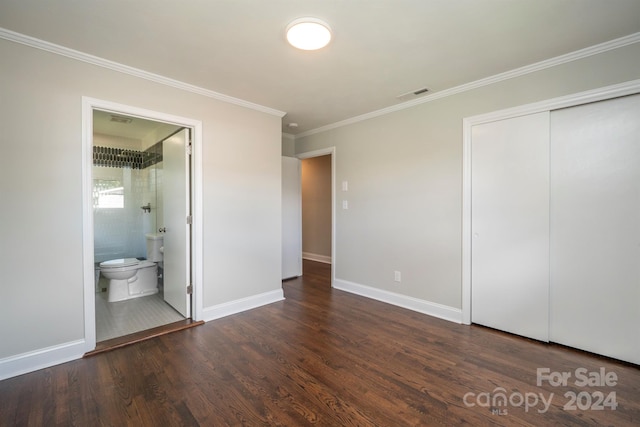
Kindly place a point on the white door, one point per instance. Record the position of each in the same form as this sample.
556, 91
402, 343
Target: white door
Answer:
176, 208
510, 225
595, 227
291, 218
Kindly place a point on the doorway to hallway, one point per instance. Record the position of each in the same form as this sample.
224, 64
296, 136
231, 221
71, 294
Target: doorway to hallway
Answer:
318, 194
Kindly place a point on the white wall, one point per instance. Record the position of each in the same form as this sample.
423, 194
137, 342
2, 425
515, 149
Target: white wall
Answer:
288, 145
41, 267
405, 179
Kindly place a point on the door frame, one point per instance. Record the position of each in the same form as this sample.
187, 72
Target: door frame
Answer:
595, 95
318, 153
88, 106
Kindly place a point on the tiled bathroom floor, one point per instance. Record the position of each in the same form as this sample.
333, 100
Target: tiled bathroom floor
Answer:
120, 318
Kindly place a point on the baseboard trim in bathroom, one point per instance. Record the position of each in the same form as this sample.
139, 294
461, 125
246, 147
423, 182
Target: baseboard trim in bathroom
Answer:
137, 337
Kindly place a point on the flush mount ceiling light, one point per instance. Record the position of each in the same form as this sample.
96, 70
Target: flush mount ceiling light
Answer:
308, 33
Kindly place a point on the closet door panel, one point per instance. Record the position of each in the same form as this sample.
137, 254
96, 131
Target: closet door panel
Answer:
595, 228
510, 225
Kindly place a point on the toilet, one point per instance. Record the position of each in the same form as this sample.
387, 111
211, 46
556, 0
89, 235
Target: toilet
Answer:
132, 278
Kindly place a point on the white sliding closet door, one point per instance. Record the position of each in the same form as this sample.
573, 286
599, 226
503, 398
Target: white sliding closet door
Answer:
595, 227
510, 225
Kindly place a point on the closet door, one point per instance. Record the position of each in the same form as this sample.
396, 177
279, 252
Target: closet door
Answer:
510, 225
595, 227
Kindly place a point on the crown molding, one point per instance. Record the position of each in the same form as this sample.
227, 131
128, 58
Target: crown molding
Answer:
125, 69
101, 62
528, 69
288, 136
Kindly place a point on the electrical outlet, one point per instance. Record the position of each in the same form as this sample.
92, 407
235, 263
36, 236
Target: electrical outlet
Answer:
397, 276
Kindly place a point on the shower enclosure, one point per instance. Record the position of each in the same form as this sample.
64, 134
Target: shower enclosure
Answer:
127, 196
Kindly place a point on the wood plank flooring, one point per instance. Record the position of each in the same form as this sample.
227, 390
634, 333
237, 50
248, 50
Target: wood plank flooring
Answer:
322, 357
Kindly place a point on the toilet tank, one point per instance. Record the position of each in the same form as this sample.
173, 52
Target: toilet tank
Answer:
154, 243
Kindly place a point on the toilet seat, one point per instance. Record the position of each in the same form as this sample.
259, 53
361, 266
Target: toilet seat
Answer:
119, 263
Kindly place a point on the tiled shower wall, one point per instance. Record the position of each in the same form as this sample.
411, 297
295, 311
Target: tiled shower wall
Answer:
120, 232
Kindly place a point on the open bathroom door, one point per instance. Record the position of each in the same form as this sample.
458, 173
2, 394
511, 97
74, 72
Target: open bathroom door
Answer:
176, 209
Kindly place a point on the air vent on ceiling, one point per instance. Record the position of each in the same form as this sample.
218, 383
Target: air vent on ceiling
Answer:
120, 119
413, 94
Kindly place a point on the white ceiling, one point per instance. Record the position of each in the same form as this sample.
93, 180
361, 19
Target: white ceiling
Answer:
134, 128
380, 49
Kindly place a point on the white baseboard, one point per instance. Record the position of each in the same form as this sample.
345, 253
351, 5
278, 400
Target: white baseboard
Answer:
240, 305
316, 257
430, 308
39, 359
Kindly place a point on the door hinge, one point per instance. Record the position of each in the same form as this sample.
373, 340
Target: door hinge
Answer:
189, 219
188, 149
189, 289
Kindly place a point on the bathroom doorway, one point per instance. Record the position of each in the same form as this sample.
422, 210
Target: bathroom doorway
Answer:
141, 209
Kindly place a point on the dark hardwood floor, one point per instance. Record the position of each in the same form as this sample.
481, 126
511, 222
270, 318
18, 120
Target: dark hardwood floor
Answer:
328, 358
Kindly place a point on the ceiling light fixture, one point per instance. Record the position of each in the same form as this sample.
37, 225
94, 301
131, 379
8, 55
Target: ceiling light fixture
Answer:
308, 33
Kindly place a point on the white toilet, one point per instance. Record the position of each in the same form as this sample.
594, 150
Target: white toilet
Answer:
131, 278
